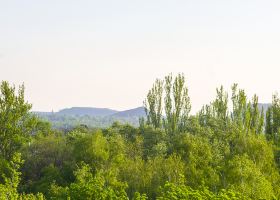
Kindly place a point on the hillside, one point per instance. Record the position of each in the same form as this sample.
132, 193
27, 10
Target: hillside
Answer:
135, 112
81, 111
92, 117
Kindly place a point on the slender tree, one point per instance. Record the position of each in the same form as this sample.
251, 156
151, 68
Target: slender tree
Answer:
268, 123
220, 105
170, 95
273, 120
153, 105
177, 104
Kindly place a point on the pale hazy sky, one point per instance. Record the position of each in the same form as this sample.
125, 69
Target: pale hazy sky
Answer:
108, 53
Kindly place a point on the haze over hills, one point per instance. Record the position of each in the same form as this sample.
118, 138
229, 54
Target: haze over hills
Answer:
97, 112
99, 117
87, 111
135, 112
92, 117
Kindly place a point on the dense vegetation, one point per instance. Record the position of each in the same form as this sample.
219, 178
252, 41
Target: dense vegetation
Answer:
229, 150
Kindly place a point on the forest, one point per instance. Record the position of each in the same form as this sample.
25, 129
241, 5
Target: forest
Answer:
230, 149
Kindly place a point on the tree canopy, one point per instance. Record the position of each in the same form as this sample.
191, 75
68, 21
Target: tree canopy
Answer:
230, 149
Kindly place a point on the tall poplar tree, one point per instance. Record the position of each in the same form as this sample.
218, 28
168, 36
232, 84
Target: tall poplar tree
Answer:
170, 95
153, 104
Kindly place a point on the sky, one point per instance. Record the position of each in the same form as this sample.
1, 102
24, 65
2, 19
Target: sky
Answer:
108, 53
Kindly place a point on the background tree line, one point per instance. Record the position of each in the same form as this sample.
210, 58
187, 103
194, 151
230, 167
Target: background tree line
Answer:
228, 150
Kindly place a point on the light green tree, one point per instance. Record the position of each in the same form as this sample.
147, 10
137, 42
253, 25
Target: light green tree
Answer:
170, 95
16, 123
153, 104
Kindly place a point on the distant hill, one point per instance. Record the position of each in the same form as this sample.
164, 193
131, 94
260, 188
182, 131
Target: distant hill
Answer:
135, 112
92, 117
81, 111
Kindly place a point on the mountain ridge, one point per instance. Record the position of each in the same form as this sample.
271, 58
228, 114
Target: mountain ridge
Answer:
96, 112
92, 117
90, 111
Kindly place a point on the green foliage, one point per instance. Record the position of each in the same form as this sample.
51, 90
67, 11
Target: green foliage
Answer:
219, 153
246, 177
48, 159
244, 116
153, 104
272, 128
38, 196
87, 186
199, 158
16, 124
93, 149
154, 142
273, 120
181, 191
11, 177
138, 196
176, 104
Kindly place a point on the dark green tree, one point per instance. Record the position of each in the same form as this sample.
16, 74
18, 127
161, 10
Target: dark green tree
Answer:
268, 124
273, 120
